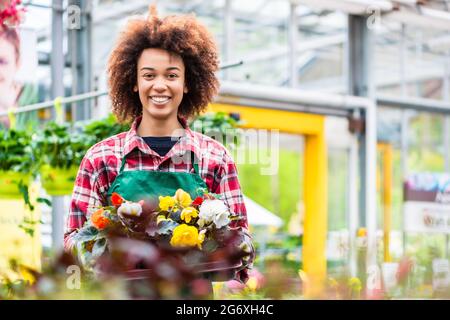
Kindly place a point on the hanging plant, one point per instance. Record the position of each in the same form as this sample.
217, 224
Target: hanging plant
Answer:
60, 152
18, 166
16, 163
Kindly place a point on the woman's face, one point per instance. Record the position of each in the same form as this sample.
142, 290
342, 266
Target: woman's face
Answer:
160, 83
8, 69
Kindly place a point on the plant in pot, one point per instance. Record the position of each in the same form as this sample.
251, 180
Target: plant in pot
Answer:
17, 164
99, 130
60, 152
220, 126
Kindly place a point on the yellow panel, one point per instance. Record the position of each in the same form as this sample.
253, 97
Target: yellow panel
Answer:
387, 163
315, 184
315, 223
14, 242
286, 121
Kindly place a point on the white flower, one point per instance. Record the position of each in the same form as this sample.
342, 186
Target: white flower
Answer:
130, 208
213, 211
222, 219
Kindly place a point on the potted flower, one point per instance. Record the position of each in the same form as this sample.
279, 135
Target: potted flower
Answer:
16, 163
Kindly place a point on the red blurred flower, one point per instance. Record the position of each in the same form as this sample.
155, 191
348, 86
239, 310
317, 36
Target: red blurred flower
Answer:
197, 201
404, 269
116, 199
99, 220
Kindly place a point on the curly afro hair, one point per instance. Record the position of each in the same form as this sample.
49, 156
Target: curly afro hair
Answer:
183, 35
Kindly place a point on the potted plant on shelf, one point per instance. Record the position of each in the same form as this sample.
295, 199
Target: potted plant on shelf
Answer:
16, 164
220, 126
60, 152
98, 130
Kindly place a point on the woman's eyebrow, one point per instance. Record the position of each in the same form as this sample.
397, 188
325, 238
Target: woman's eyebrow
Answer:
153, 69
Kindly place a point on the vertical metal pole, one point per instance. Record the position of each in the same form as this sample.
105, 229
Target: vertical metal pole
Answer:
57, 72
358, 86
361, 84
58, 214
446, 97
57, 54
228, 35
370, 187
353, 202
80, 47
293, 30
404, 125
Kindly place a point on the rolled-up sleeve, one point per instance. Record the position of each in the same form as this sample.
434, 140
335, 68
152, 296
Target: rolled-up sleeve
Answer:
87, 193
228, 186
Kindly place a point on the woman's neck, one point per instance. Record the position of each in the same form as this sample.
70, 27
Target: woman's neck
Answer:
150, 127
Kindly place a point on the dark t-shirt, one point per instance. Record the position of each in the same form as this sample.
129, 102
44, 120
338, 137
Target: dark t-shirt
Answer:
161, 145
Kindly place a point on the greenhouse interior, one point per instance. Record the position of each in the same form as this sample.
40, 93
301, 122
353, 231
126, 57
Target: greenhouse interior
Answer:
336, 115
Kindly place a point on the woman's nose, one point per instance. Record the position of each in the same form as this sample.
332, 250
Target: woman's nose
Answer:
159, 85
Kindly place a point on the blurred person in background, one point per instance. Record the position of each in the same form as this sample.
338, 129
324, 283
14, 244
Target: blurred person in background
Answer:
12, 92
9, 64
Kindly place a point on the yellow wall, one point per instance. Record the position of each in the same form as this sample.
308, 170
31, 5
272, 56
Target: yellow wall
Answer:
14, 242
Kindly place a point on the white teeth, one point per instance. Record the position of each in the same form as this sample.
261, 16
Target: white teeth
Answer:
160, 99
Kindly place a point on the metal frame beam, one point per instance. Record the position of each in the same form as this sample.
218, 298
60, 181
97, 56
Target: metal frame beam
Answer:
360, 83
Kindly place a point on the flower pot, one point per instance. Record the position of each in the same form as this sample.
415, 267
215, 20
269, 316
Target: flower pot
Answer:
9, 181
57, 181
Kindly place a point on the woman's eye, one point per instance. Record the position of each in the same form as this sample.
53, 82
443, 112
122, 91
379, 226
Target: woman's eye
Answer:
149, 76
172, 76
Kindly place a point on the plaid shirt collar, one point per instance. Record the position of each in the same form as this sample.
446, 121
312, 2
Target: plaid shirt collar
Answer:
187, 142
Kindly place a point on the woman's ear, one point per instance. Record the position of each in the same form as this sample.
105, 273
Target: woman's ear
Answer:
185, 90
135, 88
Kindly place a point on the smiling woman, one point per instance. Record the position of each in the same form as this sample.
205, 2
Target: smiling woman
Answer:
161, 72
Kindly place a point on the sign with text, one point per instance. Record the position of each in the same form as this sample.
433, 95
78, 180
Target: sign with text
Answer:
427, 203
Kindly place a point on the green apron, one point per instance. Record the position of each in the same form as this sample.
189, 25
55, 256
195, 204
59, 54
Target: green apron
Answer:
149, 185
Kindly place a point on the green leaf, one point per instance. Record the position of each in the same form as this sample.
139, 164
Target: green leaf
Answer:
166, 227
209, 245
99, 248
86, 234
45, 201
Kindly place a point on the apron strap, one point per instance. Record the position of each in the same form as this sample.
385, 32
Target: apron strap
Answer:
122, 166
194, 162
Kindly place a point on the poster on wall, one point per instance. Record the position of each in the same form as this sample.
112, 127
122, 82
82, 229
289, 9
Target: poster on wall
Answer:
18, 70
427, 203
18, 87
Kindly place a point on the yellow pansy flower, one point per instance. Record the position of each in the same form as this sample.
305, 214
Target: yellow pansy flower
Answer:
188, 213
355, 284
183, 198
186, 236
166, 203
362, 232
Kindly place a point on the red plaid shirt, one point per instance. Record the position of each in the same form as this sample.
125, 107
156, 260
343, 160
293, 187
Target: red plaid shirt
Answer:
102, 162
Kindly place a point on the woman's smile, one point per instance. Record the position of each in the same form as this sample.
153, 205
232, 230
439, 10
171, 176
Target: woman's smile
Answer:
160, 100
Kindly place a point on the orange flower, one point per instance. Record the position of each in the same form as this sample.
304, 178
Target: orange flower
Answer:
98, 220
116, 199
